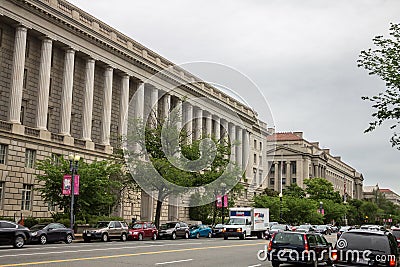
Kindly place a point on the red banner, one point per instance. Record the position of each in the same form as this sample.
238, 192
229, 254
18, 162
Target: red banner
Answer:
220, 199
66, 185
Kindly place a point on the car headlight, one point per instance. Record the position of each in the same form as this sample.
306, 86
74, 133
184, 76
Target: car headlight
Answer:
135, 233
34, 234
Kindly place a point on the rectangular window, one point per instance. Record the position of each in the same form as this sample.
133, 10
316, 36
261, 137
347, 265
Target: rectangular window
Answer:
26, 197
3, 154
260, 145
28, 48
294, 181
294, 167
255, 144
284, 181
283, 167
25, 78
50, 85
30, 158
55, 158
22, 114
1, 36
272, 169
260, 177
1, 194
272, 181
255, 158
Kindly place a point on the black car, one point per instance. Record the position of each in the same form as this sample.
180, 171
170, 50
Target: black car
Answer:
50, 233
342, 230
396, 233
298, 248
275, 229
366, 248
13, 234
323, 229
173, 230
217, 230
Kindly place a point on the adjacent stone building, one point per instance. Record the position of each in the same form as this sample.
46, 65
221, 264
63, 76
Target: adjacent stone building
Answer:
296, 159
66, 79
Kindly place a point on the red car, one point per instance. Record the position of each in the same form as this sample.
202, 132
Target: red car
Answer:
143, 230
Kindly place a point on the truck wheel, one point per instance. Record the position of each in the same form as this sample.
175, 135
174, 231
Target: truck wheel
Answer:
225, 237
243, 236
260, 235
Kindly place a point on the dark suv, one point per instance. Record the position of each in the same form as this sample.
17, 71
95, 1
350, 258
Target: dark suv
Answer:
106, 230
173, 230
298, 248
366, 248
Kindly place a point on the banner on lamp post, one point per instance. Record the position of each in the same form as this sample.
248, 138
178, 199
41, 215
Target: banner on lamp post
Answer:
67, 182
220, 199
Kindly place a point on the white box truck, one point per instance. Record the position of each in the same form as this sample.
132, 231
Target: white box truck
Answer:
245, 222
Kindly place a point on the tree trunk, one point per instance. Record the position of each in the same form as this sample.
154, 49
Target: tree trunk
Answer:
158, 213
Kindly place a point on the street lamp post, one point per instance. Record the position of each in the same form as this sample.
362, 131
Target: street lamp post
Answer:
74, 170
223, 186
321, 206
280, 207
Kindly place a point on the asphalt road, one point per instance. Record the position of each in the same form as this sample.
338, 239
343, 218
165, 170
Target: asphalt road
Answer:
192, 252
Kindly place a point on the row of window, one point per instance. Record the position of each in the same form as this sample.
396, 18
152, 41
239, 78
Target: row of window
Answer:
293, 168
272, 181
255, 145
30, 156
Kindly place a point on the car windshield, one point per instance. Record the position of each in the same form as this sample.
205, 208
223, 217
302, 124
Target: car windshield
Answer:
137, 226
218, 226
278, 227
193, 227
345, 228
102, 224
168, 226
396, 233
288, 238
365, 241
321, 226
304, 227
37, 227
237, 221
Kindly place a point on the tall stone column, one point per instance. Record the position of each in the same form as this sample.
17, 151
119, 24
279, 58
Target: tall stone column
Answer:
239, 150
189, 121
179, 114
288, 174
88, 100
246, 149
139, 102
44, 84
124, 104
225, 128
276, 177
166, 105
208, 124
217, 128
232, 140
107, 104
153, 106
199, 124
17, 75
66, 99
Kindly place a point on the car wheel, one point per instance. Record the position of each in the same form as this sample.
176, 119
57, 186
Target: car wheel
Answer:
209, 235
154, 236
123, 237
275, 264
173, 236
104, 237
68, 239
187, 235
197, 235
43, 239
19, 242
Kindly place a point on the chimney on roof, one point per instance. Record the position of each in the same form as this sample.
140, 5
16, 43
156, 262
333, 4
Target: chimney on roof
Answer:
299, 134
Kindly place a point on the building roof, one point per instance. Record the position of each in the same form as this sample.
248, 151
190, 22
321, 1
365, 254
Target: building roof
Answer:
370, 188
289, 136
387, 191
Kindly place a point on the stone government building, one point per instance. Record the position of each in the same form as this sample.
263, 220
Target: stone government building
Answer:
65, 83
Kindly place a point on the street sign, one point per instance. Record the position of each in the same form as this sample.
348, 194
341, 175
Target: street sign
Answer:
66, 185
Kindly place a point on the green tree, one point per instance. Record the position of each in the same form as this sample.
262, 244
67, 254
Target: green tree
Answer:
294, 190
320, 189
100, 184
384, 61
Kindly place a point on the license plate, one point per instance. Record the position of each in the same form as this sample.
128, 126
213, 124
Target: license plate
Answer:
362, 261
88, 234
287, 250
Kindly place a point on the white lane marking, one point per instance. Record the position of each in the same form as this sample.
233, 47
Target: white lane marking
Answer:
96, 249
257, 265
170, 262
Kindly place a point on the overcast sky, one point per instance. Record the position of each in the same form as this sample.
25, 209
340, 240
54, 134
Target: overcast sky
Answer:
301, 54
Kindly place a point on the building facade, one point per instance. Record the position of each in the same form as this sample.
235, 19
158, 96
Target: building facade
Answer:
66, 80
296, 159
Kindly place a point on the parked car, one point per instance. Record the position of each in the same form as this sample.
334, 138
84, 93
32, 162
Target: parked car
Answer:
372, 227
50, 233
143, 230
173, 230
106, 230
396, 233
323, 229
343, 229
298, 248
217, 230
13, 234
305, 228
362, 247
275, 229
200, 230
